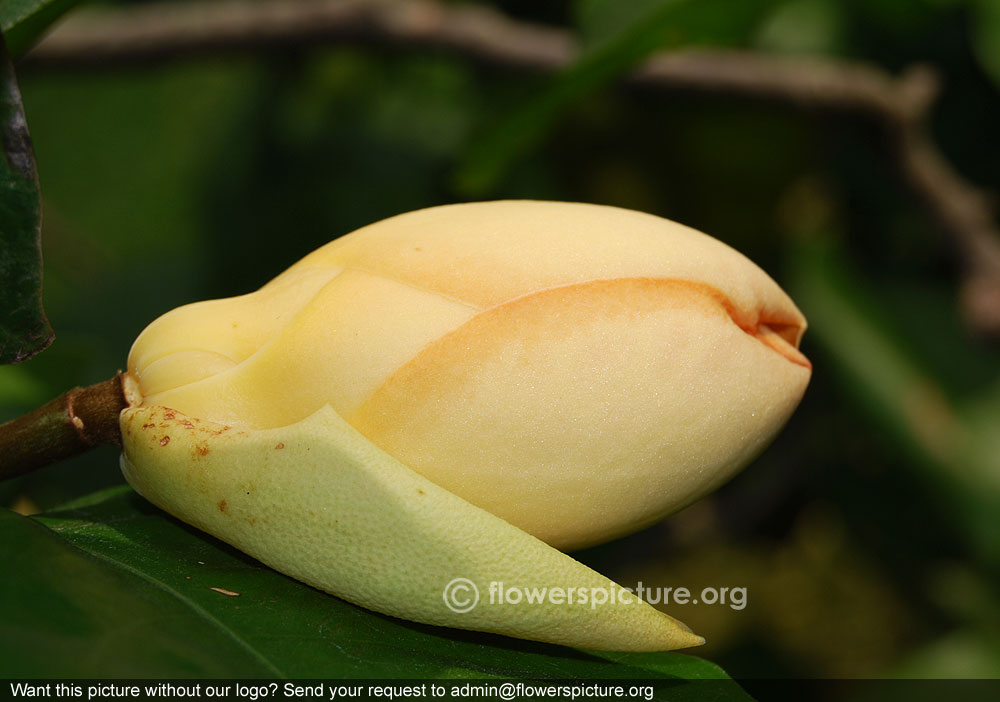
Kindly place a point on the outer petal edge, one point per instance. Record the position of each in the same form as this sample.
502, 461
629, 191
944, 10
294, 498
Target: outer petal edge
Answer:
318, 501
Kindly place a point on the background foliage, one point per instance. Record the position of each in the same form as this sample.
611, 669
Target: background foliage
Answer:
867, 535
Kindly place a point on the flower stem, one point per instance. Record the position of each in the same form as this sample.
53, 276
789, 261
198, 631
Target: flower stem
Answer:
74, 422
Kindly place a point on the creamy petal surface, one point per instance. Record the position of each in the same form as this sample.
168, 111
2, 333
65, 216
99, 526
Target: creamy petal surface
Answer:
455, 391
319, 502
579, 370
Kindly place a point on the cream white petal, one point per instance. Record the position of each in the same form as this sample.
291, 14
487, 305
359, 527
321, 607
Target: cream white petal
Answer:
318, 501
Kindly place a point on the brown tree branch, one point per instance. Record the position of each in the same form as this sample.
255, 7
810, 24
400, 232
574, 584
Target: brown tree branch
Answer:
133, 33
74, 422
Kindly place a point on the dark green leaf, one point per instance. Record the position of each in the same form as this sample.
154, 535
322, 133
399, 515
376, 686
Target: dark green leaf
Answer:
23, 21
106, 567
24, 330
67, 613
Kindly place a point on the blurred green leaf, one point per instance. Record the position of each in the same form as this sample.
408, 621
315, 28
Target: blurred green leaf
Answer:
615, 35
18, 387
986, 36
24, 330
24, 21
803, 26
857, 335
729, 23
110, 569
963, 654
640, 27
599, 21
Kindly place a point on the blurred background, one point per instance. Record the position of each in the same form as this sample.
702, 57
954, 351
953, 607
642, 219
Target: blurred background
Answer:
843, 149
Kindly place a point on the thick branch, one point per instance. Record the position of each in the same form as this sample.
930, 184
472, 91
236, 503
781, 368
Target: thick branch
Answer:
964, 212
157, 31
72, 423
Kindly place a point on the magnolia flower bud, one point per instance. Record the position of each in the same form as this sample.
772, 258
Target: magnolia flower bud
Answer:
420, 396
